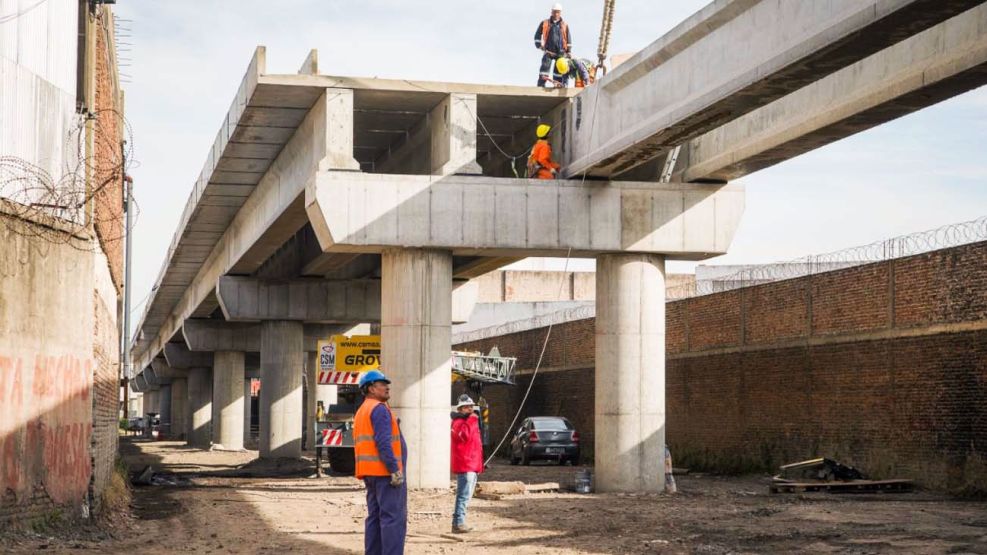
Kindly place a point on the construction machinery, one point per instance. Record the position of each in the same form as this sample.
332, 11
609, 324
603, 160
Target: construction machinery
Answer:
334, 430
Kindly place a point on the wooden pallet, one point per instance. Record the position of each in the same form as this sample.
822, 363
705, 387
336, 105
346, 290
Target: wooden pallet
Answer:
852, 486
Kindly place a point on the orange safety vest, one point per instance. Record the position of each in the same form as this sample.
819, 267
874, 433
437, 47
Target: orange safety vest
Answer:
368, 461
564, 29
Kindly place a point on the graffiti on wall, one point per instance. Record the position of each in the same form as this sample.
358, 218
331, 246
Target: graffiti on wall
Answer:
45, 426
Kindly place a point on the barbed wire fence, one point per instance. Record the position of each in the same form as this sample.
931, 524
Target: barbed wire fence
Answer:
30, 193
947, 236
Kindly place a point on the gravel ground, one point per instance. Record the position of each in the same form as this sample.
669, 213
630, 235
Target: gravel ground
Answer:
221, 504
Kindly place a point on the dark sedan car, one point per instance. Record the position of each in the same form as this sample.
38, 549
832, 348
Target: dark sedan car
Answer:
545, 438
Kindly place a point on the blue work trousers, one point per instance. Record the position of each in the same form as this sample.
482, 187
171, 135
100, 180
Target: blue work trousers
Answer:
465, 484
387, 516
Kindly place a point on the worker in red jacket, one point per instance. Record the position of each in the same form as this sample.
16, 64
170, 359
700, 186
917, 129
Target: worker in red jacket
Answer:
467, 458
540, 163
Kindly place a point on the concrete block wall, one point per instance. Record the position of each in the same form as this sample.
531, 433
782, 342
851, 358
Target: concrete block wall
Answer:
881, 366
528, 286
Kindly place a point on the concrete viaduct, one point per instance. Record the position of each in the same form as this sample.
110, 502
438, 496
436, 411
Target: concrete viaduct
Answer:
327, 202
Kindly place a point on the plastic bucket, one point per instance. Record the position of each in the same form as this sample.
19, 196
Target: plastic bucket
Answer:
584, 481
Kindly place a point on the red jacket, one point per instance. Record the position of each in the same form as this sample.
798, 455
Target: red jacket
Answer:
467, 449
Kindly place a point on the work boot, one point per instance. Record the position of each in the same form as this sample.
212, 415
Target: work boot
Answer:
461, 528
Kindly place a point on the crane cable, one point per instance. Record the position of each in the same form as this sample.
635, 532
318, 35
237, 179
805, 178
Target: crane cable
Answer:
605, 30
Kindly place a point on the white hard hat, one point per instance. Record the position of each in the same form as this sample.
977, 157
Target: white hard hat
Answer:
557, 7
465, 401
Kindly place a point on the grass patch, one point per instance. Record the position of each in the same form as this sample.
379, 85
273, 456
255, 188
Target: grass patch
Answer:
117, 496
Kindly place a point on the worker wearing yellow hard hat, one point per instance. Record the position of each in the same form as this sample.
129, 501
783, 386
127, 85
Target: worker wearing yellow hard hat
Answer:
540, 163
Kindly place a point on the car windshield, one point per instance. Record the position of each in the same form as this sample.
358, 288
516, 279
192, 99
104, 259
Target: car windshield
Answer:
552, 425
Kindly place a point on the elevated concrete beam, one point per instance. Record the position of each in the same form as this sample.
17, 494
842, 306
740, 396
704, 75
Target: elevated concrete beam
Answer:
306, 300
730, 58
319, 301
273, 212
522, 217
150, 381
936, 64
162, 370
218, 335
179, 356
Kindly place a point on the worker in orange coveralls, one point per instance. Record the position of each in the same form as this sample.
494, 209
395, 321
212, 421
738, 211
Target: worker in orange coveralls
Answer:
540, 163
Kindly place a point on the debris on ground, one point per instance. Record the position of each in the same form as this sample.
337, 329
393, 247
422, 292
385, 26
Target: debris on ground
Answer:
827, 475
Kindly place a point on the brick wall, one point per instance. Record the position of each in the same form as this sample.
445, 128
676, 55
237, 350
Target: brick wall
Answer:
881, 366
109, 264
107, 154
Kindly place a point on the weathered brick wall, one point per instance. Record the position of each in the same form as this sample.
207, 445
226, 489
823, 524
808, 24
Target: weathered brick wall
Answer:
881, 366
107, 155
109, 265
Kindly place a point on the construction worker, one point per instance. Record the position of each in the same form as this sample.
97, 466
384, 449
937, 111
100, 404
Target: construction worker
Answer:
540, 163
381, 459
554, 39
578, 69
467, 458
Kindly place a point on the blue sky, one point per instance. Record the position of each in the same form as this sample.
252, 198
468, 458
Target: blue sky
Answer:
922, 171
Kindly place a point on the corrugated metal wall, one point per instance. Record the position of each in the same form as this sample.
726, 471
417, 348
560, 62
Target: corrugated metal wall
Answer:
38, 53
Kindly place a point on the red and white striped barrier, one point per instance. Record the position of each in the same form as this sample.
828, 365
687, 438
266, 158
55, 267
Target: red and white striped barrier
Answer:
339, 378
332, 437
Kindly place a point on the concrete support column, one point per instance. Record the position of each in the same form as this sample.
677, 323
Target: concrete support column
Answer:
630, 373
200, 407
311, 396
247, 401
452, 126
179, 408
164, 405
281, 367
227, 400
416, 309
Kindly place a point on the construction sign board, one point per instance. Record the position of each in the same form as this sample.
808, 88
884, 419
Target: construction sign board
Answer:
342, 359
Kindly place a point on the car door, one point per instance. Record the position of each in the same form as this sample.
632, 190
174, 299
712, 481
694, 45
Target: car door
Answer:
516, 441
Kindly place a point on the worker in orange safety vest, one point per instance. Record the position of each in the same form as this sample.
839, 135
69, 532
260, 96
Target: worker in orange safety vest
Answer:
540, 163
381, 460
553, 38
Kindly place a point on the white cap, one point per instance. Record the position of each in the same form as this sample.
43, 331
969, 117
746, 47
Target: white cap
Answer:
465, 401
557, 7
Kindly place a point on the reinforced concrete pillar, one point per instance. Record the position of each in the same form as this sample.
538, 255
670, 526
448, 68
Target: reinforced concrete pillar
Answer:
311, 396
179, 408
416, 334
630, 373
200, 407
164, 404
227, 400
281, 366
247, 400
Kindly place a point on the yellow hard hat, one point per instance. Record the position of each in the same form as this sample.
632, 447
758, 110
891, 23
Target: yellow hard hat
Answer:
562, 66
542, 130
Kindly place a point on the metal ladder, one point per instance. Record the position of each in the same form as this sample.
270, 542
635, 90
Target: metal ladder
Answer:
488, 369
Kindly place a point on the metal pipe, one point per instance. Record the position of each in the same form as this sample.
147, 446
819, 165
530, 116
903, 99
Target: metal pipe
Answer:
127, 281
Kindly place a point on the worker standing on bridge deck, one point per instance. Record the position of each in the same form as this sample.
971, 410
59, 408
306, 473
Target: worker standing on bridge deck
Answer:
381, 460
554, 39
467, 458
540, 163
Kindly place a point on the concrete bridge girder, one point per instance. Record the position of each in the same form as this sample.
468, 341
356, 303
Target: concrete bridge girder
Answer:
317, 301
697, 77
520, 217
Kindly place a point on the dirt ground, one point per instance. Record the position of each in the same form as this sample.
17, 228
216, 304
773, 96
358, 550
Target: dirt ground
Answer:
213, 504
